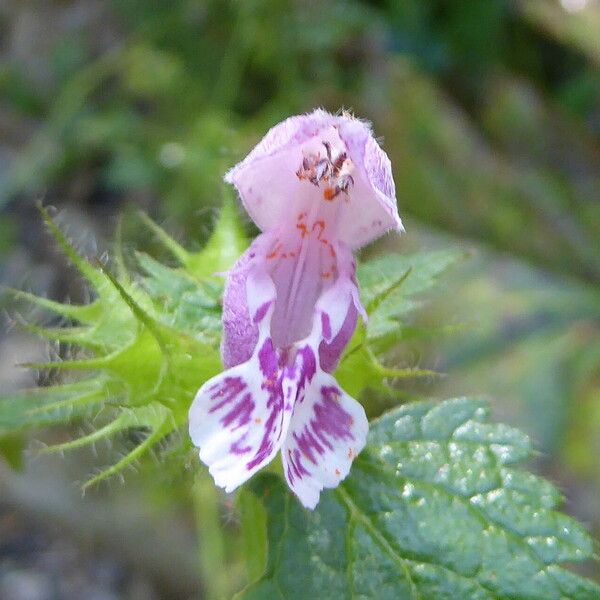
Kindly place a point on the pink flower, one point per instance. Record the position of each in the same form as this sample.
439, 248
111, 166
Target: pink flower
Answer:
318, 186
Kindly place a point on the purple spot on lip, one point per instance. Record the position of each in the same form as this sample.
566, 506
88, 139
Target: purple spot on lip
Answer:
326, 325
262, 311
268, 361
330, 423
307, 363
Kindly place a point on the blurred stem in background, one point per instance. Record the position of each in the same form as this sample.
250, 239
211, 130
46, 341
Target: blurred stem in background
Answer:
254, 533
218, 581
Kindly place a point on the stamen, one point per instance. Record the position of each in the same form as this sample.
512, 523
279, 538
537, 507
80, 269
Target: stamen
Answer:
336, 172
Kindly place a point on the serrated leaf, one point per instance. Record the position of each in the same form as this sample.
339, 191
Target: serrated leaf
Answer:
390, 284
360, 369
434, 508
223, 248
183, 302
40, 407
148, 352
154, 417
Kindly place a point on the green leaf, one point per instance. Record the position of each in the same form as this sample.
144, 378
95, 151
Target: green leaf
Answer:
434, 508
389, 285
182, 301
11, 449
360, 369
40, 407
151, 346
223, 248
253, 520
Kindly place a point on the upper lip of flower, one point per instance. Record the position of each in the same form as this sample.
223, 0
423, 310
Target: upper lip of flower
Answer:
285, 158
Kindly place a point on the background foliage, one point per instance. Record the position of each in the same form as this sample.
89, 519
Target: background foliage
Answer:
490, 114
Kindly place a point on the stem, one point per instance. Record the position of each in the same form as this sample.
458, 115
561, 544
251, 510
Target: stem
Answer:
253, 525
211, 540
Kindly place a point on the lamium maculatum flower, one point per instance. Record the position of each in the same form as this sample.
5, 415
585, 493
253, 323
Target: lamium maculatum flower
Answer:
318, 186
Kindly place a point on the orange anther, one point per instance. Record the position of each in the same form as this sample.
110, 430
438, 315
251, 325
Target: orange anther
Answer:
329, 193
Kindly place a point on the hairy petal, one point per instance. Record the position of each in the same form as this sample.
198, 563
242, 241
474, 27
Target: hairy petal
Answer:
283, 137
375, 210
237, 418
338, 308
269, 186
240, 332
327, 430
331, 352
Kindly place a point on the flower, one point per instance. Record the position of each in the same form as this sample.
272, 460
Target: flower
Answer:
318, 186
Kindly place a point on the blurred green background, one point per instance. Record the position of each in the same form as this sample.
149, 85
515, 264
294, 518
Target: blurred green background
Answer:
490, 112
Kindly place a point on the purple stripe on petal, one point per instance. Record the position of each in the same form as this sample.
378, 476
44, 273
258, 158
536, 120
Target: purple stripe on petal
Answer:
262, 311
327, 430
240, 414
272, 384
266, 444
331, 352
307, 363
237, 418
225, 391
295, 467
307, 442
330, 423
268, 360
325, 325
237, 448
332, 420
